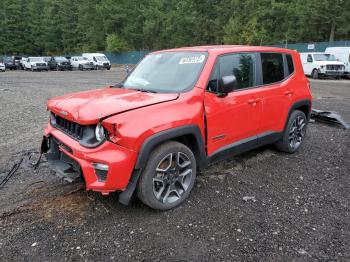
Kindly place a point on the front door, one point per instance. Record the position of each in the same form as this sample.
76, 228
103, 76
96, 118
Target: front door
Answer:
233, 120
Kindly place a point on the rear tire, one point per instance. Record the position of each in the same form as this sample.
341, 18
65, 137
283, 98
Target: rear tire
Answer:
169, 176
294, 133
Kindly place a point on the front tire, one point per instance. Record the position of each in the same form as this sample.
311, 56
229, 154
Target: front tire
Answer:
294, 133
169, 176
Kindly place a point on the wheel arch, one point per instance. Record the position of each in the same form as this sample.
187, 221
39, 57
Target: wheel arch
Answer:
302, 105
190, 135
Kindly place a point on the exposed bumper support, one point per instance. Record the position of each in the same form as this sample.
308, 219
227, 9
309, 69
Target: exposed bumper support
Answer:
330, 117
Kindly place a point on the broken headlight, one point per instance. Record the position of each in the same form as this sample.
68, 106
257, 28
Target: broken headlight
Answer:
99, 132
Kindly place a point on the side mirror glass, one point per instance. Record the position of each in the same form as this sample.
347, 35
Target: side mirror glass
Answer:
227, 84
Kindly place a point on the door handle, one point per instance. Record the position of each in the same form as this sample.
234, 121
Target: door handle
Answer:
254, 101
288, 92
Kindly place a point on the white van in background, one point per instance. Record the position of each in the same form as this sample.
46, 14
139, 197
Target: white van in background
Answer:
321, 64
99, 60
342, 54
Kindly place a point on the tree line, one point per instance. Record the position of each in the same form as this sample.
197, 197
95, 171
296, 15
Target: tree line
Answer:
68, 26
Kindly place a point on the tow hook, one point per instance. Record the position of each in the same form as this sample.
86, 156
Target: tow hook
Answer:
26, 161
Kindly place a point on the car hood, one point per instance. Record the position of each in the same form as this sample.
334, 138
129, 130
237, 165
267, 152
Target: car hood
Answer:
90, 106
328, 63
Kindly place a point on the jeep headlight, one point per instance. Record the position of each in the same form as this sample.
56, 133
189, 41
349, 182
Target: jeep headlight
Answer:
99, 132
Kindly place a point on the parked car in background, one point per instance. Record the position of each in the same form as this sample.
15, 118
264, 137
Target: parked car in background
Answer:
321, 64
342, 54
81, 63
202, 104
2, 66
9, 63
21, 62
99, 60
35, 64
17, 61
58, 63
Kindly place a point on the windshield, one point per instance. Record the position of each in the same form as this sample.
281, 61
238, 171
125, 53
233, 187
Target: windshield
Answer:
61, 59
47, 59
169, 72
101, 58
324, 57
36, 59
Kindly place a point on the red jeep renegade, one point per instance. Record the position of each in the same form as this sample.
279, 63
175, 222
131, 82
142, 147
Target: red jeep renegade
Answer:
177, 111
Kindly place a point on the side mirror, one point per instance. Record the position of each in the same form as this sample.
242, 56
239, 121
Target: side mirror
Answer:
226, 85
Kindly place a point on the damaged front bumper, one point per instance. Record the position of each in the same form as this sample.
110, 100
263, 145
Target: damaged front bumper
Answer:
106, 168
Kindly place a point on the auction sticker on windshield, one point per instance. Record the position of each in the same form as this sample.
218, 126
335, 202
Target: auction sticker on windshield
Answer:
192, 60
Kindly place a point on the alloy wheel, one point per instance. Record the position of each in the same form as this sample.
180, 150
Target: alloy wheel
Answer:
297, 132
172, 177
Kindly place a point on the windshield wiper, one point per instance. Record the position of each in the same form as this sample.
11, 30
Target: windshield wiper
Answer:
119, 85
144, 90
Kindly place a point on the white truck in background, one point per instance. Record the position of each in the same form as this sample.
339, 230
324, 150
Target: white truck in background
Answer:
342, 54
99, 60
319, 64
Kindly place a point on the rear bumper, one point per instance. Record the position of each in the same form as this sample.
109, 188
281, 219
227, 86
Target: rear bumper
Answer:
120, 161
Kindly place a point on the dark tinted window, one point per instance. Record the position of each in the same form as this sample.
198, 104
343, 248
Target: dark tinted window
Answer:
290, 64
272, 67
242, 66
309, 58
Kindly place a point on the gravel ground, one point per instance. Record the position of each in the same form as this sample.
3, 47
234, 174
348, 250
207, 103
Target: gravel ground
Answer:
260, 206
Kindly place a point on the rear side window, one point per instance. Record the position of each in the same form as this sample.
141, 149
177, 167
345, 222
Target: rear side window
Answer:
272, 67
290, 64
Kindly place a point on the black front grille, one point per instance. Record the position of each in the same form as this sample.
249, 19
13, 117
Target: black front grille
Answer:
69, 127
40, 64
334, 67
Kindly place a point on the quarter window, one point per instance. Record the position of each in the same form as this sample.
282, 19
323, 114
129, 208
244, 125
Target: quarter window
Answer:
272, 67
290, 64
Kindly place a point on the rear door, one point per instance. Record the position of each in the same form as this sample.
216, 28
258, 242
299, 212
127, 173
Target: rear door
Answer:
233, 119
277, 92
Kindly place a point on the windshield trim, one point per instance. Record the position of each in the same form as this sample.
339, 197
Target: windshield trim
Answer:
121, 84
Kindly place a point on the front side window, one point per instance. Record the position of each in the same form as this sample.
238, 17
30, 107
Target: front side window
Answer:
241, 65
309, 59
169, 72
272, 67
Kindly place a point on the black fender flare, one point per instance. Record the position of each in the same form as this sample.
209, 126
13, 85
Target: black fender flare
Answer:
151, 142
296, 105
156, 139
